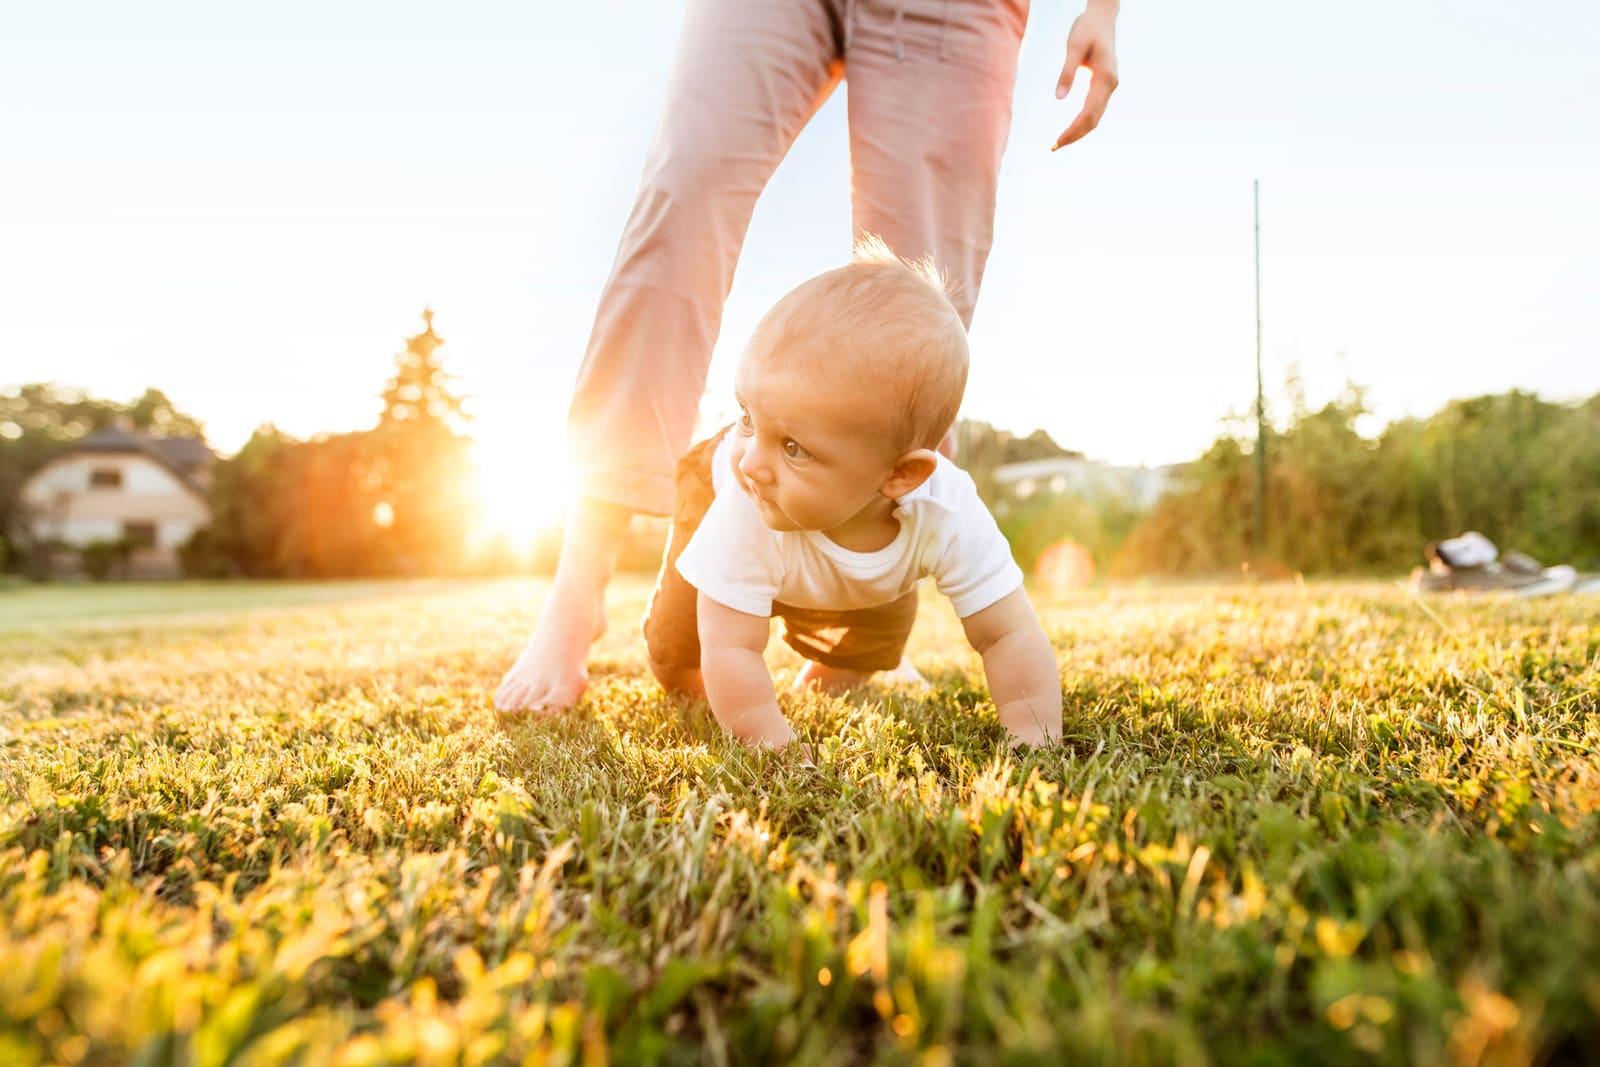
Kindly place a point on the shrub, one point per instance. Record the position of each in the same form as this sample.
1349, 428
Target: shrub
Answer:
102, 558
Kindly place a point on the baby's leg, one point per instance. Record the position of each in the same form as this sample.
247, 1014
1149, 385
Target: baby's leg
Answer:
825, 679
856, 644
671, 624
679, 680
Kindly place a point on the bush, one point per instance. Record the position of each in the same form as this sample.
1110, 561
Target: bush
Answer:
202, 556
1096, 522
1523, 471
101, 559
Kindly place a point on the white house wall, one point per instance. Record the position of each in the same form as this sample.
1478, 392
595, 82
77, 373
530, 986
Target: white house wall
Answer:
67, 508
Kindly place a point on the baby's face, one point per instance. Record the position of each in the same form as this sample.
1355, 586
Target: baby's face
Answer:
811, 456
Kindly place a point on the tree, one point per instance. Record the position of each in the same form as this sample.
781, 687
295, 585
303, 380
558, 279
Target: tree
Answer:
423, 466
421, 391
394, 499
1522, 470
984, 449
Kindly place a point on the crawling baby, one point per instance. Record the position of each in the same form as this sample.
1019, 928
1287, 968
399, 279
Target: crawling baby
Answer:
828, 500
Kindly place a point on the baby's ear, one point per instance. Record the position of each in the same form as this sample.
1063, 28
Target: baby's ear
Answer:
910, 471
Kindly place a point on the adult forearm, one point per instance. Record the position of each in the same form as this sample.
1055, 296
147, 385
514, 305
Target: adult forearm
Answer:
1109, 7
739, 689
1025, 684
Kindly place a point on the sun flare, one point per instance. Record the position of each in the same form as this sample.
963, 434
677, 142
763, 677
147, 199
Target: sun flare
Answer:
521, 488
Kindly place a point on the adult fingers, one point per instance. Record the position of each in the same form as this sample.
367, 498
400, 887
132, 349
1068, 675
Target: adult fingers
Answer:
1094, 106
1069, 69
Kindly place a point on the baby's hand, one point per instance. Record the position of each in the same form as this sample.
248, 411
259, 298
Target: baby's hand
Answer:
738, 684
1021, 667
1025, 734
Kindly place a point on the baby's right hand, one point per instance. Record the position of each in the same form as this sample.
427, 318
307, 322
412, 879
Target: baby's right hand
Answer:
738, 684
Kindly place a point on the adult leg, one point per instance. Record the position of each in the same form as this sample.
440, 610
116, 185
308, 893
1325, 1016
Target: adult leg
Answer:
930, 86
747, 77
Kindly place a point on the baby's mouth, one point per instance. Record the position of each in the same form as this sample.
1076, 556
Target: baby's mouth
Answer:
762, 502
750, 489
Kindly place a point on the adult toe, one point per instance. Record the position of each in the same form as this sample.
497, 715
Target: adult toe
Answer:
512, 697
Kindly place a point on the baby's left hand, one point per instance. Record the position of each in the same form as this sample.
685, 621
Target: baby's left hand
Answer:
1021, 667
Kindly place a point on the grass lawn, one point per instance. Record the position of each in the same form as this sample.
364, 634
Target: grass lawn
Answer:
263, 824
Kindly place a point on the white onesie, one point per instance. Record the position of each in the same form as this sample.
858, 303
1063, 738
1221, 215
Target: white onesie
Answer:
945, 531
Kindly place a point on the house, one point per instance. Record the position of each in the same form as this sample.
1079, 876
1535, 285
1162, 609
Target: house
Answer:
121, 484
1140, 486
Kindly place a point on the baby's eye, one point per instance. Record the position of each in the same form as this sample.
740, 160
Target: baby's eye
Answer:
746, 424
794, 450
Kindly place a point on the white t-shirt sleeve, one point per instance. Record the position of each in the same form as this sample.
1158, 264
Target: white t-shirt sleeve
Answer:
975, 569
732, 557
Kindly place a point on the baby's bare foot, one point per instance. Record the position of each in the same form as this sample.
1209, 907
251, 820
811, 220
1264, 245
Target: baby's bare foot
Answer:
907, 675
827, 679
552, 671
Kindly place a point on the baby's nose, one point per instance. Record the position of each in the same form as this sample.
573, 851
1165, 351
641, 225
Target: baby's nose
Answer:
751, 466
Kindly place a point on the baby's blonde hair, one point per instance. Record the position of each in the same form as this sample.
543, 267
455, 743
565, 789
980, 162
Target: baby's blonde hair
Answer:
882, 323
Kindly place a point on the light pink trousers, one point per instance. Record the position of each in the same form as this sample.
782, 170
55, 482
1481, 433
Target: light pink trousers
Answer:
929, 111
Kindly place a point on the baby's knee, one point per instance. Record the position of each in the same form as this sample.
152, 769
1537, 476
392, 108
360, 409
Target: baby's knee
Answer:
677, 677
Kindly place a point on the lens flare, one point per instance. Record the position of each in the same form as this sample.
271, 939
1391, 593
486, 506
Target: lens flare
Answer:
521, 489
1064, 566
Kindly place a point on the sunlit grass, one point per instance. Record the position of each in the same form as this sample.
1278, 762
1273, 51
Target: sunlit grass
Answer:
1294, 825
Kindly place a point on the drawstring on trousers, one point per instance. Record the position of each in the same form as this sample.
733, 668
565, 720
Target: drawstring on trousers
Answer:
899, 20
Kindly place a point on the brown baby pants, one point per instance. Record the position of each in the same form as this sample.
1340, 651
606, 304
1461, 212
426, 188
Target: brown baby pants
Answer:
929, 112
863, 639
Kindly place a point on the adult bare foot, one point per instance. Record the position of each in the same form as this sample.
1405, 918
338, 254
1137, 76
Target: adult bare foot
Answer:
552, 671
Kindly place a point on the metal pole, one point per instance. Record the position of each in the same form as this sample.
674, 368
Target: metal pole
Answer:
1259, 527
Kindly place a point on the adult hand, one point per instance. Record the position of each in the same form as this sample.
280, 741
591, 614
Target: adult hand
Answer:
1091, 43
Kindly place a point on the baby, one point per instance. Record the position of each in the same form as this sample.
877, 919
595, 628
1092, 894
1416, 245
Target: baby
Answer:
828, 500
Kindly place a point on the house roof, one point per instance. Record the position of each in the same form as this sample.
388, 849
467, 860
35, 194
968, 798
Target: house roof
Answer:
185, 457
189, 452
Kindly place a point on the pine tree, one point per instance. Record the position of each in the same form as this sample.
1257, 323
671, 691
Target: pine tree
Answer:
421, 469
421, 389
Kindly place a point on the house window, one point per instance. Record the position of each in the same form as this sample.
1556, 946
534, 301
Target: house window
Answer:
139, 534
105, 478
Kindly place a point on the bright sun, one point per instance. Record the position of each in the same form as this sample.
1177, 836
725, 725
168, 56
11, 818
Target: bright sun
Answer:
521, 484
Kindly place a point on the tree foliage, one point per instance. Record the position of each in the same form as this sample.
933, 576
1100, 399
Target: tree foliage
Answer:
394, 499
1522, 470
984, 449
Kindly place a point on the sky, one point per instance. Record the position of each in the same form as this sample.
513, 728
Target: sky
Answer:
249, 206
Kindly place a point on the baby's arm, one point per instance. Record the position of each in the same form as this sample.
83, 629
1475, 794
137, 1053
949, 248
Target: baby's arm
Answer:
738, 684
1021, 667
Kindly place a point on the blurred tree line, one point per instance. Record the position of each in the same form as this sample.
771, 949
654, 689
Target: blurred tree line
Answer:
397, 499
984, 449
1097, 521
1521, 470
